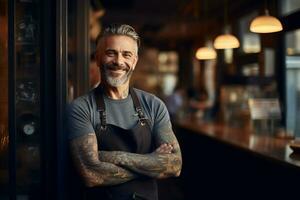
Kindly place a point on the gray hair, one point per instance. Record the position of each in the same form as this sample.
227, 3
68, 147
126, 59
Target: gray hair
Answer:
119, 29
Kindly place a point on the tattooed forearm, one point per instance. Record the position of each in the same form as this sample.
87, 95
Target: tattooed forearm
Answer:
158, 165
154, 164
94, 172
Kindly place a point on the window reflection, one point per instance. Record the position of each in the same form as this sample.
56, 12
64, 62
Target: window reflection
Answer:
289, 6
293, 43
27, 104
292, 62
250, 41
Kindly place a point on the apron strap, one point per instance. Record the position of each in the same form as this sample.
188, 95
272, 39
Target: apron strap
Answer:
101, 106
137, 106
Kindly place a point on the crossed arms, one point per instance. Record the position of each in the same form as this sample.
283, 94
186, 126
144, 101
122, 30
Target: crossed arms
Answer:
115, 167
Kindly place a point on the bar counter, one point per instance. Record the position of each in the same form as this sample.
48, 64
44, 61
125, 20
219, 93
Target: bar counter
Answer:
221, 162
262, 144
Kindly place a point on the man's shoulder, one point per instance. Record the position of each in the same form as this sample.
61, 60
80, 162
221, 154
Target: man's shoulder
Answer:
147, 96
83, 102
149, 100
79, 117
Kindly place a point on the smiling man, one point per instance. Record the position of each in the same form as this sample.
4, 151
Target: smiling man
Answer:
121, 138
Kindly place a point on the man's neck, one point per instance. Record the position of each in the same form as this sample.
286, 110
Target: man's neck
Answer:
120, 92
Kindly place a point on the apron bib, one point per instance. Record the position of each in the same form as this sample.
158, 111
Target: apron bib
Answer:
135, 140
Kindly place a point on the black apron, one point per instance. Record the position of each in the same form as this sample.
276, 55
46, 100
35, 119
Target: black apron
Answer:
135, 140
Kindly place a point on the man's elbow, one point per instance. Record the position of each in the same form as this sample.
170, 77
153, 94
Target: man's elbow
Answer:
169, 173
178, 168
177, 173
174, 169
91, 181
89, 184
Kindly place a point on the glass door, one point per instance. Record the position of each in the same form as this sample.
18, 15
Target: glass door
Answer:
27, 99
20, 165
33, 85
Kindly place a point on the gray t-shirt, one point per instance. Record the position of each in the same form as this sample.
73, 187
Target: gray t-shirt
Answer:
83, 117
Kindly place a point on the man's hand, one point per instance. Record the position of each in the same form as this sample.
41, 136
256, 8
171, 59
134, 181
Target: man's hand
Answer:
165, 148
164, 162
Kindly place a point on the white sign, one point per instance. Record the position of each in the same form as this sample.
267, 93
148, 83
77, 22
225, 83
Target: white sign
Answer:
263, 108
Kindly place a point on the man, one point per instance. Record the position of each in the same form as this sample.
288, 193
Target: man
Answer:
121, 138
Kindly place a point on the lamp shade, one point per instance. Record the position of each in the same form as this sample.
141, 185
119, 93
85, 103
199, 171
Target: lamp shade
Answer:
265, 24
226, 41
206, 53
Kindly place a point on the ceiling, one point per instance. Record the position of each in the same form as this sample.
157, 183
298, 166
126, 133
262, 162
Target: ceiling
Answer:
158, 20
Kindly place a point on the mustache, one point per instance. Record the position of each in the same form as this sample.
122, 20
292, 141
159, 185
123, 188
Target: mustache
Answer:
115, 66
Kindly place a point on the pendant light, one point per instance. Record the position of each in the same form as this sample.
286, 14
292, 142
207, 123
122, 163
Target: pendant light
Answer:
265, 24
227, 40
207, 52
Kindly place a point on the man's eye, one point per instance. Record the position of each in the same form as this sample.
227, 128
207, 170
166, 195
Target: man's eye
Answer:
110, 53
127, 55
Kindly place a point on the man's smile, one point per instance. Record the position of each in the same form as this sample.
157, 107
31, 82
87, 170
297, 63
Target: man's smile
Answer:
117, 72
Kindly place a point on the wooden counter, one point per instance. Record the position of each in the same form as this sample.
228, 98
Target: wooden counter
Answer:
263, 144
222, 162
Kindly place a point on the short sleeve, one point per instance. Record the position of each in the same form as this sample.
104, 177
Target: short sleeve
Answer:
162, 121
78, 119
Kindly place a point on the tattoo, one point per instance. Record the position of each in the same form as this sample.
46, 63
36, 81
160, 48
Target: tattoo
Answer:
84, 151
157, 165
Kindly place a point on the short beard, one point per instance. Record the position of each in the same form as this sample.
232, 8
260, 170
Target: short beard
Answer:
116, 82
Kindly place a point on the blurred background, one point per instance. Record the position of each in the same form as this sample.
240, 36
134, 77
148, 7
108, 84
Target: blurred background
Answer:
204, 58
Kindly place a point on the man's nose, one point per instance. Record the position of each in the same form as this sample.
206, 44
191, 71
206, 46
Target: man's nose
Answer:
119, 60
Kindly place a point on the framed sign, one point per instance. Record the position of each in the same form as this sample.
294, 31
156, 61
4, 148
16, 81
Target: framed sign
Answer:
27, 91
264, 108
26, 30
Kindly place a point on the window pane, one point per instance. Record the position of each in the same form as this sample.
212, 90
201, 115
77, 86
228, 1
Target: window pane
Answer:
289, 6
27, 68
250, 41
293, 81
292, 40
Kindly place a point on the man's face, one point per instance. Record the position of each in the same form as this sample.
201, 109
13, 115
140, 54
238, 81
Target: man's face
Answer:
117, 58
